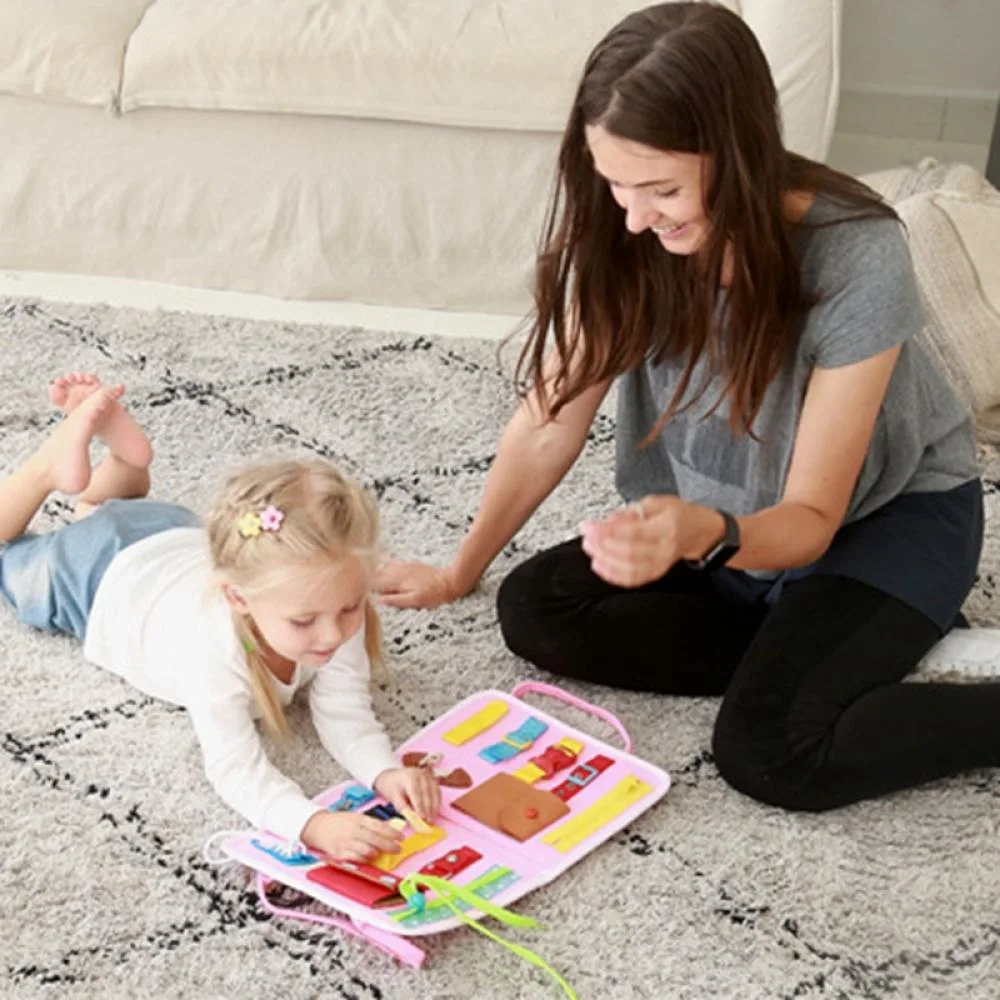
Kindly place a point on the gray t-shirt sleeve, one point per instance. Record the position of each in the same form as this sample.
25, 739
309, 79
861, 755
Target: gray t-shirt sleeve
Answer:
872, 302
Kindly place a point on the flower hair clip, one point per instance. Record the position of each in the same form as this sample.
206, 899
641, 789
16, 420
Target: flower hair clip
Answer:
251, 524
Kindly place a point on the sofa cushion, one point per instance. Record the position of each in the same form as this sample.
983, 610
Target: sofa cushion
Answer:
66, 50
478, 63
957, 261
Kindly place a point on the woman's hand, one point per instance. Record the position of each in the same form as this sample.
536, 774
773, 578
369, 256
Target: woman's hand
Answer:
637, 545
411, 788
416, 585
350, 836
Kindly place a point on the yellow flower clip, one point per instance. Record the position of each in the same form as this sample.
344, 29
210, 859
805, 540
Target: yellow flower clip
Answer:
249, 525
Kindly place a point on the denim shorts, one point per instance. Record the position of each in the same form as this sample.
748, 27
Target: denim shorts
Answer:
51, 579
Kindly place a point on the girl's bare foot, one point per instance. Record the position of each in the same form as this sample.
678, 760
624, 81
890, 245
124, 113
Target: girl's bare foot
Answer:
119, 431
69, 391
63, 461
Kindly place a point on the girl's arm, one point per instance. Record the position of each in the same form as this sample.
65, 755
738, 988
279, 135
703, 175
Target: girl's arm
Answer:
341, 705
247, 781
239, 770
533, 456
340, 698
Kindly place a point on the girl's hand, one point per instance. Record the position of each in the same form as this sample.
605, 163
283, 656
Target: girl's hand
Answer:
350, 836
415, 585
413, 788
639, 544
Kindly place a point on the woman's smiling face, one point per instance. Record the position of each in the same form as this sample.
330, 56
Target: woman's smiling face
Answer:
658, 190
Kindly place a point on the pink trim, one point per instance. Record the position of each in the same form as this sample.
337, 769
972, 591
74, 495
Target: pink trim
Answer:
584, 706
398, 947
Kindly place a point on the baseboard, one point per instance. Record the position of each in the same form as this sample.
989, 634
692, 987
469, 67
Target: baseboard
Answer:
908, 114
153, 295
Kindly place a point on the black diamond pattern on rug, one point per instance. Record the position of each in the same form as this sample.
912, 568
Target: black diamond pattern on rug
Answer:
106, 809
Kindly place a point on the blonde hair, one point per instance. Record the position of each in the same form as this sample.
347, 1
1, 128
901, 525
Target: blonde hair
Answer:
326, 517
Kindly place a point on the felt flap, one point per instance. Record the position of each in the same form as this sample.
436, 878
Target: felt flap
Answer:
358, 885
512, 806
530, 814
457, 777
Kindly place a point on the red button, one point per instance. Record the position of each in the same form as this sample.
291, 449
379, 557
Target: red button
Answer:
531, 813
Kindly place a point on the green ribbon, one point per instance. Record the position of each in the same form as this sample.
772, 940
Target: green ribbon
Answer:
448, 892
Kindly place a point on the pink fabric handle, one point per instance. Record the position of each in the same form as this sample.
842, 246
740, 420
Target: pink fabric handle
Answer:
584, 706
398, 947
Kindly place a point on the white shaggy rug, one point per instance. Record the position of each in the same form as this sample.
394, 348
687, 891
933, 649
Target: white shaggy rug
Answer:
105, 808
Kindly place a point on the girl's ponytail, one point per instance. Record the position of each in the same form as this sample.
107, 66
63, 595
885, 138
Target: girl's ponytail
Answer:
272, 713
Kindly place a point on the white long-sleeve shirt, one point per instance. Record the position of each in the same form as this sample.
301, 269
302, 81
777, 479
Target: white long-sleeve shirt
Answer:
159, 623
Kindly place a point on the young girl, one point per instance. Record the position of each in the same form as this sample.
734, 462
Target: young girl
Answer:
229, 619
804, 513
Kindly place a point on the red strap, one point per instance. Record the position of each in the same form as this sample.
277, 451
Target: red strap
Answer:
451, 863
581, 776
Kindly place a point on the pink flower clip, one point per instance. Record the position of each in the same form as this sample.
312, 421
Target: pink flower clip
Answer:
271, 518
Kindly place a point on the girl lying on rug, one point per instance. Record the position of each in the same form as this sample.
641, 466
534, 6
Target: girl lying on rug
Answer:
228, 619
804, 512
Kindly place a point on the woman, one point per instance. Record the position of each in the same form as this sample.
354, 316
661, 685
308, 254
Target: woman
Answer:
805, 514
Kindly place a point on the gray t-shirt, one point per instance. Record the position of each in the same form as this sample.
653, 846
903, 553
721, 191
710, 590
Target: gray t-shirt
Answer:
861, 277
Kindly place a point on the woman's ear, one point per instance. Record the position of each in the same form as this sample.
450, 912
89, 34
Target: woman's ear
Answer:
235, 599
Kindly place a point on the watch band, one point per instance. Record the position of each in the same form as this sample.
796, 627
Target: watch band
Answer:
513, 743
723, 550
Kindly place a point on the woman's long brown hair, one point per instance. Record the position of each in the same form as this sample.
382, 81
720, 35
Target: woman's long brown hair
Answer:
691, 78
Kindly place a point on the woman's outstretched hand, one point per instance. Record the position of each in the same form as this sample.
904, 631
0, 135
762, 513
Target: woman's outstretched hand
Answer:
416, 585
637, 545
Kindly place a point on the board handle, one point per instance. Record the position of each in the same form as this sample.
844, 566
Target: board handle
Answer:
398, 947
535, 687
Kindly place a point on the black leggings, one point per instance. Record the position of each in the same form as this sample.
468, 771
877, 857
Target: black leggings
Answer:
813, 715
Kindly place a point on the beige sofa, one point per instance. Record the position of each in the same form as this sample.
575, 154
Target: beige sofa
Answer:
386, 151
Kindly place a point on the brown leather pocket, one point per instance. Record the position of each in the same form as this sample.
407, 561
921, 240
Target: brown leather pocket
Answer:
512, 806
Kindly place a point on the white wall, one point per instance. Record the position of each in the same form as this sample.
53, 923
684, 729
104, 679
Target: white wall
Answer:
940, 47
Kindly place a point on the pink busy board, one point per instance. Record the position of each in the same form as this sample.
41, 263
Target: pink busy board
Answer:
524, 796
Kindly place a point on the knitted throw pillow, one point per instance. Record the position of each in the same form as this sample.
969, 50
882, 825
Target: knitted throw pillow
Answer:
928, 175
956, 256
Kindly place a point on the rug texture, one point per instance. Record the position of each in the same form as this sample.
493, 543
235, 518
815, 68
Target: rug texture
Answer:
105, 891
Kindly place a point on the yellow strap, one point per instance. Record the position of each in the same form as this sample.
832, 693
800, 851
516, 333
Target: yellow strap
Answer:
418, 824
487, 716
448, 892
531, 772
411, 845
628, 791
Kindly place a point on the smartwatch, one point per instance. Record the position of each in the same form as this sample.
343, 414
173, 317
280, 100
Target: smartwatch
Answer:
723, 550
